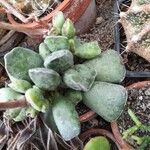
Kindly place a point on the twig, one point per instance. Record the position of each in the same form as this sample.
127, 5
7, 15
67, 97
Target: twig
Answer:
14, 104
6, 37
30, 32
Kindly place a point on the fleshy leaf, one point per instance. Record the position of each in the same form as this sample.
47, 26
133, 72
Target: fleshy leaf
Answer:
108, 66
88, 50
44, 78
59, 61
74, 43
20, 86
55, 43
97, 143
49, 119
68, 29
31, 112
66, 118
21, 116
57, 22
36, 99
7, 94
74, 96
44, 51
80, 77
106, 99
19, 60
12, 113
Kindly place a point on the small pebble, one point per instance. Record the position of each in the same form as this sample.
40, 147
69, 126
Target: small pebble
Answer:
99, 20
140, 97
147, 92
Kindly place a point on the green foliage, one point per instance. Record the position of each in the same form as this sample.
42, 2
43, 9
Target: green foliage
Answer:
36, 99
19, 60
38, 77
20, 86
55, 43
97, 143
57, 22
80, 77
68, 29
59, 61
88, 50
144, 141
66, 117
7, 94
74, 96
106, 99
44, 78
49, 119
44, 50
108, 66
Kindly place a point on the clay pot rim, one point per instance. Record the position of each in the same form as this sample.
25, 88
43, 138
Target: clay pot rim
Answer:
98, 132
34, 24
61, 7
114, 125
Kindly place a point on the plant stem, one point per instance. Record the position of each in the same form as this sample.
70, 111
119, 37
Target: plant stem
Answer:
36, 33
14, 104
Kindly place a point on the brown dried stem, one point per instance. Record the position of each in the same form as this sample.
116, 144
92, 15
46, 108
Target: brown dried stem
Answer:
33, 33
14, 104
118, 137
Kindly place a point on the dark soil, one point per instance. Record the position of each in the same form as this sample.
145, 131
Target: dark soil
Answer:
132, 61
103, 29
139, 103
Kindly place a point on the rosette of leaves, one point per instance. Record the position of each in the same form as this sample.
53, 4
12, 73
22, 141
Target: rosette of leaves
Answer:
39, 78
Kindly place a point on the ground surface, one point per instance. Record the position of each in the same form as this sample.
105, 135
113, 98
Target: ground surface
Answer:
139, 103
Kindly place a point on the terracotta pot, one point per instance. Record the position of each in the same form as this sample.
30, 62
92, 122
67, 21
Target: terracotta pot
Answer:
114, 125
98, 132
77, 10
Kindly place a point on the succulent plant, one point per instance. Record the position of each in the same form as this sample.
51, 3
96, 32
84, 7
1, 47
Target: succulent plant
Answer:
57, 22
44, 78
44, 50
80, 77
59, 61
106, 99
7, 94
19, 60
20, 86
55, 43
68, 29
37, 78
74, 96
66, 118
88, 50
136, 23
35, 98
108, 66
97, 143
